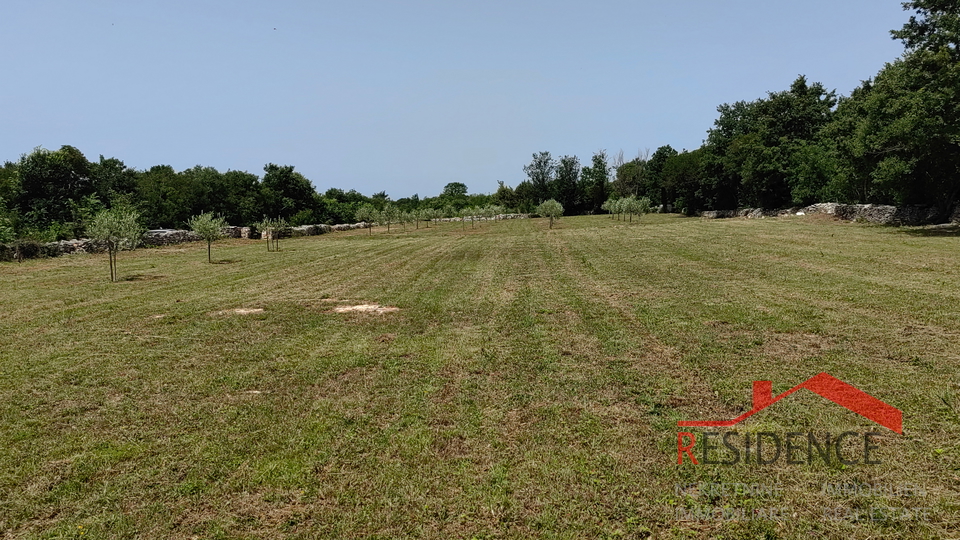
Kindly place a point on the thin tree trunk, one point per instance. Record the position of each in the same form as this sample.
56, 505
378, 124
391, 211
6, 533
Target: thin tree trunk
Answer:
209, 259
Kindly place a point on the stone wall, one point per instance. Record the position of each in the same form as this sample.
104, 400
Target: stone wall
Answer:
872, 213
498, 217
232, 232
166, 237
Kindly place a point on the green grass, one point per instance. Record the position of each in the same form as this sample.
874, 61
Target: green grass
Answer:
529, 386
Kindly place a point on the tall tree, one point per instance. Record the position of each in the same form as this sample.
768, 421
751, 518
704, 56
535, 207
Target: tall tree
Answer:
285, 191
49, 181
652, 185
505, 196
750, 154
540, 173
167, 199
630, 176
935, 26
597, 179
566, 182
683, 175
895, 138
110, 178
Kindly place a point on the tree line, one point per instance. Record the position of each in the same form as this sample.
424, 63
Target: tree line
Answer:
894, 140
54, 195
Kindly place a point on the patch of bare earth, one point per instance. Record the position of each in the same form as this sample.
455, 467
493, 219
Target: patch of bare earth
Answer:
795, 345
366, 308
239, 311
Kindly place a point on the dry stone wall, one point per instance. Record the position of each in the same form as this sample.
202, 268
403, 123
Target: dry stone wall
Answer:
872, 213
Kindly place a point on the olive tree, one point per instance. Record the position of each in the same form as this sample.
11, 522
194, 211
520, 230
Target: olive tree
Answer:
551, 209
609, 206
270, 230
368, 215
117, 228
389, 214
208, 227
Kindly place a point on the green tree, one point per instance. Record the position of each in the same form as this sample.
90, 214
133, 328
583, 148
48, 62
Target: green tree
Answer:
540, 174
167, 199
934, 27
895, 138
117, 228
635, 207
368, 215
285, 191
49, 181
653, 179
751, 154
455, 190
209, 228
389, 214
683, 175
597, 180
6, 224
566, 182
271, 229
551, 209
630, 176
110, 178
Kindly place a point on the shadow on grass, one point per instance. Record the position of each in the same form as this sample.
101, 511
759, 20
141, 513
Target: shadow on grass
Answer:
226, 261
141, 277
947, 229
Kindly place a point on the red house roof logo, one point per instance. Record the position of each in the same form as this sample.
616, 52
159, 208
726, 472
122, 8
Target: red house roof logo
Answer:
825, 385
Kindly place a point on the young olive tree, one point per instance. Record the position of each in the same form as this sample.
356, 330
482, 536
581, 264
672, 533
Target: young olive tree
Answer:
551, 209
434, 215
640, 206
389, 214
368, 215
609, 206
117, 227
463, 214
270, 230
209, 228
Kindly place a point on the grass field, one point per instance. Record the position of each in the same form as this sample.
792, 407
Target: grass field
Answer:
529, 385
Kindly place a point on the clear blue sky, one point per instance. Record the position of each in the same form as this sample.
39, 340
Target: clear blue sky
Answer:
408, 96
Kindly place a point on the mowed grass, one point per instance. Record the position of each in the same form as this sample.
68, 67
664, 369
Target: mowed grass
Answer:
529, 386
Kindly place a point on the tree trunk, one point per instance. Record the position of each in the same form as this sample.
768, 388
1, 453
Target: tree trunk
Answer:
209, 259
112, 255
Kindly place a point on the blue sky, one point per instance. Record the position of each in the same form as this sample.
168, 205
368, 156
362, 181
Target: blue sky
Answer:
408, 96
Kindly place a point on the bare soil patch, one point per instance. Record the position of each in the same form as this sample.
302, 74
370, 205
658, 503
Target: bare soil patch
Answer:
239, 311
366, 308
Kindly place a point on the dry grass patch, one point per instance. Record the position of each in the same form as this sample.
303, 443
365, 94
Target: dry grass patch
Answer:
366, 308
